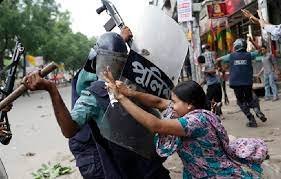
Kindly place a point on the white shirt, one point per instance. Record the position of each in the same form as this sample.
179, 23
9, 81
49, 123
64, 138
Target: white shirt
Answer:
274, 30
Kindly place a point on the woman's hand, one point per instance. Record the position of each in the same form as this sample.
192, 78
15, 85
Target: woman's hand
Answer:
124, 89
111, 85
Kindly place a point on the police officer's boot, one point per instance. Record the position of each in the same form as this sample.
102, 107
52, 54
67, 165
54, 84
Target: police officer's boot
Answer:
252, 121
256, 107
260, 115
246, 110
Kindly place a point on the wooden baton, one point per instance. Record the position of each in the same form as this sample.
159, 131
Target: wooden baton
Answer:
21, 89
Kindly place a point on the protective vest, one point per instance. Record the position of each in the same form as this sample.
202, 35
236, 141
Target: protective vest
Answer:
89, 148
241, 69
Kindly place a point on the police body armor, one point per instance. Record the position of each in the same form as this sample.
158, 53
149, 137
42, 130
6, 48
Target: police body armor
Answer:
241, 69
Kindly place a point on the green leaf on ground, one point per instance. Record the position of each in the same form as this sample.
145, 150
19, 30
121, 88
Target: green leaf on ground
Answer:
51, 171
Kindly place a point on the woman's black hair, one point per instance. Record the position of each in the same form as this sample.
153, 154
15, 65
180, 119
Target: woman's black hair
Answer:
192, 93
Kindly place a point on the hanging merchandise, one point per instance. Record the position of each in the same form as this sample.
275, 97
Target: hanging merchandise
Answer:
220, 38
229, 37
210, 39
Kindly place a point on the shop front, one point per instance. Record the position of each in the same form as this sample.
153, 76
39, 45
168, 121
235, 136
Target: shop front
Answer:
221, 32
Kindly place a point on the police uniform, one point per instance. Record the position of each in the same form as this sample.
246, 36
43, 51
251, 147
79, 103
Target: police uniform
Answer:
241, 81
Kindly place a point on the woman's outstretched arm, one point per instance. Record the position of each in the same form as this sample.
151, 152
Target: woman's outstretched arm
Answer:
146, 99
151, 122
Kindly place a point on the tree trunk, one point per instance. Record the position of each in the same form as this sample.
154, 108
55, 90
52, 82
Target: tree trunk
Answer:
2, 76
2, 55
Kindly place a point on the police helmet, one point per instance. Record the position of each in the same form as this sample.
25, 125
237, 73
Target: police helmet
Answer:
240, 45
109, 41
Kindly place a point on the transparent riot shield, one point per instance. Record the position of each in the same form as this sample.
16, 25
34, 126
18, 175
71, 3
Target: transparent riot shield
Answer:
154, 64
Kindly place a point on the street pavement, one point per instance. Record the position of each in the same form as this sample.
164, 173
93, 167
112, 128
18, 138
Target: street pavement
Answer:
37, 138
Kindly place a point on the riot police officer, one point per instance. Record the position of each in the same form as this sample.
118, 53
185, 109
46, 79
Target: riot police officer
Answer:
241, 80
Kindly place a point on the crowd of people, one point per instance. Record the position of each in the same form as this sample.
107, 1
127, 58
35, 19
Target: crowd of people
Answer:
188, 124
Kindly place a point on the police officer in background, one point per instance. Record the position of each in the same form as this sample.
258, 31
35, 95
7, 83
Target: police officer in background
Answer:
241, 80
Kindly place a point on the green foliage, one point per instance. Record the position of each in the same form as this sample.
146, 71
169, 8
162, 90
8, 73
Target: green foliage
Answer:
51, 172
43, 30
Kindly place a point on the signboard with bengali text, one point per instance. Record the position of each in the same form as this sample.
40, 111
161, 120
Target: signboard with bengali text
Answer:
184, 10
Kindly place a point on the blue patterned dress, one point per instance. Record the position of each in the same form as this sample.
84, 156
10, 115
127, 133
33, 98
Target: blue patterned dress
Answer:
205, 150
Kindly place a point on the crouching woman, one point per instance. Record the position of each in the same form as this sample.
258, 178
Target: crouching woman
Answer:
196, 134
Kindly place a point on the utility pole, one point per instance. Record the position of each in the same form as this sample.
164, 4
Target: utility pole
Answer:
194, 40
189, 32
262, 5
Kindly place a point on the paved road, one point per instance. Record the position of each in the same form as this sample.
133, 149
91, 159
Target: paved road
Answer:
34, 131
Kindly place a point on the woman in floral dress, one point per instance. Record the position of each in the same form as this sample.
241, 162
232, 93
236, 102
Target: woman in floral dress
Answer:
196, 134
